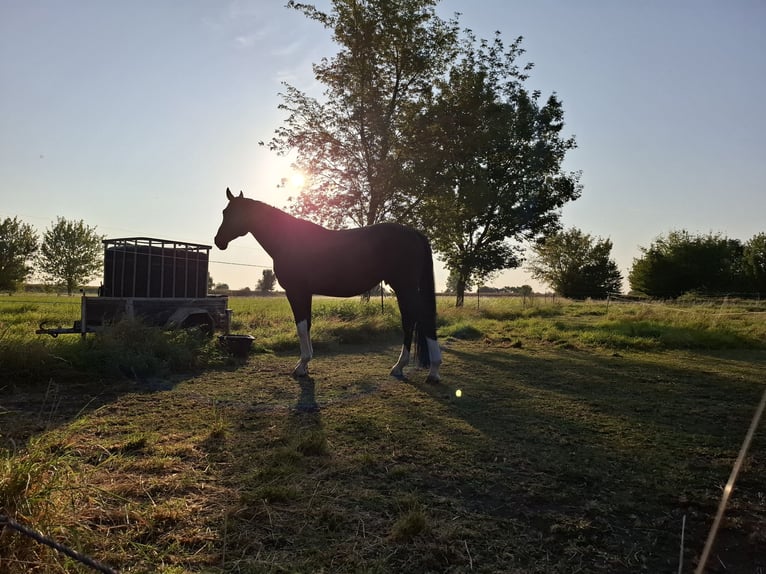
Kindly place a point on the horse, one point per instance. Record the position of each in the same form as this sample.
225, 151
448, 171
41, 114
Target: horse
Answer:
312, 260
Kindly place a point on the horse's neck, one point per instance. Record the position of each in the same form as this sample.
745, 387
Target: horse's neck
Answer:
276, 230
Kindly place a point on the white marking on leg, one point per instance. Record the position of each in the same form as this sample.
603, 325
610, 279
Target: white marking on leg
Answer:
435, 356
307, 352
404, 359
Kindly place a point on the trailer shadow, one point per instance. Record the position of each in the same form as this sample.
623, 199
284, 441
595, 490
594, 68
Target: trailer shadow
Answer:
30, 409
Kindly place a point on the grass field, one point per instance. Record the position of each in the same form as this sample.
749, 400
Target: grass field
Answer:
580, 438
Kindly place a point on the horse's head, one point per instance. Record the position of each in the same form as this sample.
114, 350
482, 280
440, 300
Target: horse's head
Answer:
234, 222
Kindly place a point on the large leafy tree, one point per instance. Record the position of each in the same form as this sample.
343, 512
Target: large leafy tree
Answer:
349, 143
680, 262
489, 158
18, 243
576, 265
71, 253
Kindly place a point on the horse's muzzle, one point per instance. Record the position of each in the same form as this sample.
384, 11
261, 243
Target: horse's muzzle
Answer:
220, 243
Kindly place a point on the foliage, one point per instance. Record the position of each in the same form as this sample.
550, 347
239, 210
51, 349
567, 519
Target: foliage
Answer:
137, 351
267, 281
71, 253
754, 263
680, 262
576, 265
349, 144
30, 484
18, 243
489, 154
525, 291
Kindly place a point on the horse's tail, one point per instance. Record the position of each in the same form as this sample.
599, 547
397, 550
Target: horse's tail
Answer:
425, 327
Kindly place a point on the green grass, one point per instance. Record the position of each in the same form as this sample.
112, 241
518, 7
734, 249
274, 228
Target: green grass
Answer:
581, 438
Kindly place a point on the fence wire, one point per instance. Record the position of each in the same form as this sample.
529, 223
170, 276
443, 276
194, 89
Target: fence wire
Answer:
8, 522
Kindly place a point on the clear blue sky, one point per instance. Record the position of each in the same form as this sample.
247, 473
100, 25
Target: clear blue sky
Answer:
135, 116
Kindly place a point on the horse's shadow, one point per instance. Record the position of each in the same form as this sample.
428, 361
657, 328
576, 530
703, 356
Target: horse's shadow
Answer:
307, 402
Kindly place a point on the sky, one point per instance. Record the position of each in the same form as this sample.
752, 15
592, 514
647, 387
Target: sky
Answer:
135, 116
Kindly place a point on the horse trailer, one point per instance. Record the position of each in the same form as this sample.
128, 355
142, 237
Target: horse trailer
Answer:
160, 282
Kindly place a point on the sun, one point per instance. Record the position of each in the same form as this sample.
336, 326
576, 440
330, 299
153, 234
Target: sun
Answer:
297, 180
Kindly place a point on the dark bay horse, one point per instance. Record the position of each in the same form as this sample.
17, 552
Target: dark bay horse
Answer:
311, 260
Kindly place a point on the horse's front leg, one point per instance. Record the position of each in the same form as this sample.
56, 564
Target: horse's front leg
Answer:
307, 351
301, 306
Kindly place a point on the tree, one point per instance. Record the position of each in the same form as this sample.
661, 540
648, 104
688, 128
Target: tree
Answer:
18, 243
489, 158
754, 263
681, 262
391, 52
266, 282
576, 265
526, 292
452, 281
70, 254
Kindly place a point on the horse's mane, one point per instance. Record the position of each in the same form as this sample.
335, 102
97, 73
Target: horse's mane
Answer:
277, 230
283, 218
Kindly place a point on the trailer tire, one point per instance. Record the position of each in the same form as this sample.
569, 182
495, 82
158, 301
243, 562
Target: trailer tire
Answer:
202, 321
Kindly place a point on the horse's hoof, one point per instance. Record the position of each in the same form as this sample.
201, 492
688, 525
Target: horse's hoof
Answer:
430, 379
398, 375
300, 373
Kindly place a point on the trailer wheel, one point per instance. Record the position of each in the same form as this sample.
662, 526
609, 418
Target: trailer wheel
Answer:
202, 321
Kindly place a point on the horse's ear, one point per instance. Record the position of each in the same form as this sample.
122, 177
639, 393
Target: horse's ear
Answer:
240, 194
229, 195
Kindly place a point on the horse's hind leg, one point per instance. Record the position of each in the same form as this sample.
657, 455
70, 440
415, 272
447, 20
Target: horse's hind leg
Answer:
301, 306
408, 308
435, 355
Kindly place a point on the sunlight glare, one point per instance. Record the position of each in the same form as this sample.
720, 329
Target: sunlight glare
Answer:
297, 180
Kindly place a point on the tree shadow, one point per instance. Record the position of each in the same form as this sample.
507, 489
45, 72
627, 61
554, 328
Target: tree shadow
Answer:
609, 449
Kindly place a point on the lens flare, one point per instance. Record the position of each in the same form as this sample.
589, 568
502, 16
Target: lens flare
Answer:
297, 180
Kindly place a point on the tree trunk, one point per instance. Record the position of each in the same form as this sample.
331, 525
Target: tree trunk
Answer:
460, 292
